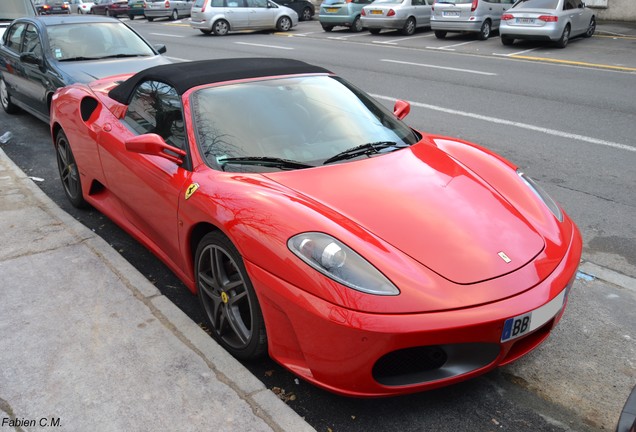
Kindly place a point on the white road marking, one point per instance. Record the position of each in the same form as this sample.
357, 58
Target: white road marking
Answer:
496, 120
347, 36
167, 35
449, 47
516, 53
440, 67
264, 46
393, 41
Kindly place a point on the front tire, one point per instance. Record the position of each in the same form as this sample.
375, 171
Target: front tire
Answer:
221, 28
68, 170
150, 19
306, 14
565, 37
228, 298
507, 41
174, 16
131, 17
327, 28
356, 26
284, 24
409, 27
374, 31
5, 99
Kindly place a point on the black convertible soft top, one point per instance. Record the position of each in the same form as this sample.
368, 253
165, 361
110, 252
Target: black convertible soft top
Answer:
183, 76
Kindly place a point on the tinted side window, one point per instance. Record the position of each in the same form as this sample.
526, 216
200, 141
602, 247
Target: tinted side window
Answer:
235, 3
156, 108
32, 41
216, 3
14, 37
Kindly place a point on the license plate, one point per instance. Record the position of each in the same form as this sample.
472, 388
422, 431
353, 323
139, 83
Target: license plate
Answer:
332, 10
376, 12
522, 324
525, 20
450, 14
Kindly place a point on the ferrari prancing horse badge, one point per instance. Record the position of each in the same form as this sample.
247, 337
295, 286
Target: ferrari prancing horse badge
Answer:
191, 189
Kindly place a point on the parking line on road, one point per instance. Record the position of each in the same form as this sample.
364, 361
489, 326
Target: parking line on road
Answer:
440, 67
449, 47
264, 46
575, 63
393, 41
515, 53
548, 131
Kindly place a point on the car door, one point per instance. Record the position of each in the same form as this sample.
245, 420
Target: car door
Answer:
260, 16
574, 15
34, 83
148, 186
237, 13
422, 10
12, 68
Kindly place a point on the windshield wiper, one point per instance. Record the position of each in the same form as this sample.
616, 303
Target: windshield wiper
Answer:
362, 150
264, 161
80, 58
122, 56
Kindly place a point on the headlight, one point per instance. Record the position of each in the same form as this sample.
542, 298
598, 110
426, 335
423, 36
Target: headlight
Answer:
339, 262
538, 190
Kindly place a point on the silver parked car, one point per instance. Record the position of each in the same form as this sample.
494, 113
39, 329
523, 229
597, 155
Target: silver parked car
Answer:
342, 13
549, 20
81, 6
222, 16
172, 9
403, 15
474, 16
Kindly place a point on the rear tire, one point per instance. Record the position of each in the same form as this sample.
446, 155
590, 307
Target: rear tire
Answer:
356, 27
440, 34
174, 16
484, 32
565, 37
327, 28
131, 17
374, 31
409, 27
306, 15
507, 41
221, 28
150, 19
591, 28
206, 32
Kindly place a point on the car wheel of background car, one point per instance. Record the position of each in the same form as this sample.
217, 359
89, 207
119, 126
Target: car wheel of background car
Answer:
306, 14
327, 28
69, 173
131, 17
228, 298
507, 40
591, 28
409, 27
374, 31
484, 32
357, 25
5, 99
440, 34
565, 37
284, 24
206, 32
174, 16
221, 27
107, 12
151, 19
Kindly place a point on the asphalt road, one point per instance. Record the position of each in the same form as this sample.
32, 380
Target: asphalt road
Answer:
570, 126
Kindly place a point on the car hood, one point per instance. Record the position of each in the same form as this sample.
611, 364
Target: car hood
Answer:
427, 205
91, 70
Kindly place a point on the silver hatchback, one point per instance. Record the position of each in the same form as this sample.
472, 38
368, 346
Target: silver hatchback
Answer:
222, 16
172, 9
474, 16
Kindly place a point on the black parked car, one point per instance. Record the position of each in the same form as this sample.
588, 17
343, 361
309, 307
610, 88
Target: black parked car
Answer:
52, 7
40, 54
305, 9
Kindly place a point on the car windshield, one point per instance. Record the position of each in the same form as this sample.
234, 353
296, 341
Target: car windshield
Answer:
301, 120
90, 41
536, 4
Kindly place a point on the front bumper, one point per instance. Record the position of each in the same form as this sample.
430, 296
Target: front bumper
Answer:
365, 355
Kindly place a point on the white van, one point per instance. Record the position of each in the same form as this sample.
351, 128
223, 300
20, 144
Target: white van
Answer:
475, 16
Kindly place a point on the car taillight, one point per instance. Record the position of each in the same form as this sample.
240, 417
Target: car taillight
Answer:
549, 18
474, 5
205, 3
506, 17
391, 12
363, 13
167, 4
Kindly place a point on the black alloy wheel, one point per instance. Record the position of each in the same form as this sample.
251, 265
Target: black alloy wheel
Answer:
228, 298
69, 173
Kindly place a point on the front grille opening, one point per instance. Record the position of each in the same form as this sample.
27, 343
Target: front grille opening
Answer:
408, 362
432, 363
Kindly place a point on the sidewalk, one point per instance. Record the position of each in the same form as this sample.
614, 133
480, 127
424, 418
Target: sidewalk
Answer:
88, 344
616, 28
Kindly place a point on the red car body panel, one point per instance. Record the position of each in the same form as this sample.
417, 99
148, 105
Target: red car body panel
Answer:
321, 330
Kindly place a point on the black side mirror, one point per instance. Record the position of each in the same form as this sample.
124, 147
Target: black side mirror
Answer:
30, 58
161, 48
